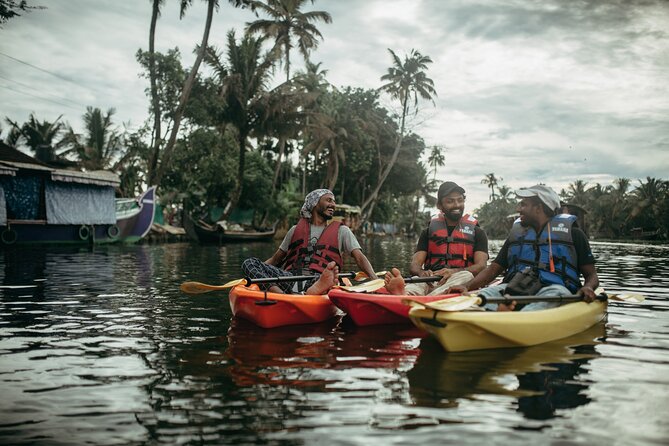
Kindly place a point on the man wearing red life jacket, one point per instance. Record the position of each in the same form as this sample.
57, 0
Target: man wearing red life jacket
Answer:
453, 246
311, 247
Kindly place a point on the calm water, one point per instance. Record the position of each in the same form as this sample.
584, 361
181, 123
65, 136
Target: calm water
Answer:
103, 348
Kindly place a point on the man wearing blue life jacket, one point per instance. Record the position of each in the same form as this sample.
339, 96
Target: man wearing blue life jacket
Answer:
544, 255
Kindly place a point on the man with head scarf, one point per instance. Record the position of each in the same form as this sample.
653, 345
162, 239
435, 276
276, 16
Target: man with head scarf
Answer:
453, 246
316, 246
545, 254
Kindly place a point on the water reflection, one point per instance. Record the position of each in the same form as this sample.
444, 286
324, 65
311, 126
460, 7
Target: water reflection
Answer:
543, 378
99, 346
281, 356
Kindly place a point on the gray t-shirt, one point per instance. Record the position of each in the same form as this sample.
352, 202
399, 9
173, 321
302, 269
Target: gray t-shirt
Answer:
347, 241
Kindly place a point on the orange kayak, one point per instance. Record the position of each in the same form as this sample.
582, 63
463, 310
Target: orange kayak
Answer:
269, 310
377, 309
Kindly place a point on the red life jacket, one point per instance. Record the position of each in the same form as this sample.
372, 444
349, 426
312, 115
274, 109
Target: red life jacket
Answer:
454, 251
302, 255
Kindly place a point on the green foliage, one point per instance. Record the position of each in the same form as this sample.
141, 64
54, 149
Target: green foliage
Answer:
45, 139
207, 168
495, 217
170, 77
102, 145
257, 191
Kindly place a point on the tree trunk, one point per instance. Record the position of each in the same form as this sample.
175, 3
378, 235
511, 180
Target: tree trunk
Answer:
234, 198
370, 202
282, 147
157, 131
333, 170
287, 50
185, 94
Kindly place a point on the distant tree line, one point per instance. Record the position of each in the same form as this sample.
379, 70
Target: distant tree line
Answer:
229, 139
621, 210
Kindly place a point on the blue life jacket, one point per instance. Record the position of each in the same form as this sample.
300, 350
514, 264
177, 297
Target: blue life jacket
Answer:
528, 250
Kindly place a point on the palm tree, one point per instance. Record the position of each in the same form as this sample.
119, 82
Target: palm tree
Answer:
436, 159
155, 102
405, 79
43, 138
491, 181
155, 175
327, 134
505, 193
577, 194
314, 86
651, 196
243, 89
286, 23
102, 145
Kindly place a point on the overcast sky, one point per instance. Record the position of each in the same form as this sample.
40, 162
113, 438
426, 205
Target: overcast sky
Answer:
534, 91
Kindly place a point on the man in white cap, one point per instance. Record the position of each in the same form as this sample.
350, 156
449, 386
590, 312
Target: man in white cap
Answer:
545, 254
314, 246
453, 246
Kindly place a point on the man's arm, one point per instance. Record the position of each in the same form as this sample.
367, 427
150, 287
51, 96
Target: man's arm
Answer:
591, 282
277, 258
363, 263
417, 262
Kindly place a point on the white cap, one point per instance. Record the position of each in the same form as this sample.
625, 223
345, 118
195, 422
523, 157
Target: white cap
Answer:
547, 195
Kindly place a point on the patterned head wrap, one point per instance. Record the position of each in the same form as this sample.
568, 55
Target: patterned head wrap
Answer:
311, 200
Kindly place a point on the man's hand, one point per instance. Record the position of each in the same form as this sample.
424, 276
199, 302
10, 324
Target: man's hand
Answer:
587, 293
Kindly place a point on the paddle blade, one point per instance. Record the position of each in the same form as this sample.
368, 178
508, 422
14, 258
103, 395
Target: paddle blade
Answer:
629, 298
199, 288
457, 303
626, 297
194, 288
362, 275
367, 287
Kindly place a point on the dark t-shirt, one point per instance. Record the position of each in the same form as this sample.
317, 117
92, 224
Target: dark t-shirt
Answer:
480, 239
583, 252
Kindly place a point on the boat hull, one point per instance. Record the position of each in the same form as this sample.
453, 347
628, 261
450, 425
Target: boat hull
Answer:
377, 309
32, 232
204, 235
135, 226
284, 309
477, 330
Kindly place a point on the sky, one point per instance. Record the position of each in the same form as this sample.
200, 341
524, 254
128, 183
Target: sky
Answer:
544, 91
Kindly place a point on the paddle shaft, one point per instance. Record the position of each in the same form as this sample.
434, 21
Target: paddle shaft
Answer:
292, 278
527, 299
424, 279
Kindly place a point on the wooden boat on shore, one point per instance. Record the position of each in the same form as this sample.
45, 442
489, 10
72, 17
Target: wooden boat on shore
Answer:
269, 310
134, 216
203, 232
475, 330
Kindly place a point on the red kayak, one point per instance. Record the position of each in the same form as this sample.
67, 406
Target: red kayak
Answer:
377, 309
270, 310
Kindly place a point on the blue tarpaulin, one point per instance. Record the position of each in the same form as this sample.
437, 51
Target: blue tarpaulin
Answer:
22, 196
77, 204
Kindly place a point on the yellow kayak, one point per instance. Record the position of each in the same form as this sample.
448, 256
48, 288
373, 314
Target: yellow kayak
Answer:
474, 330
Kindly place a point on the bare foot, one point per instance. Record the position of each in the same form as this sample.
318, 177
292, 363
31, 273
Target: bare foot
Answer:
327, 280
394, 282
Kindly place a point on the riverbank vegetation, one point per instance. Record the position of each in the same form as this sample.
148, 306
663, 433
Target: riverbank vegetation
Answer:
241, 129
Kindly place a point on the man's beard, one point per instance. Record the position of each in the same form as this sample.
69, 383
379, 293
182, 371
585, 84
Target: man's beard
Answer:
454, 215
325, 215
